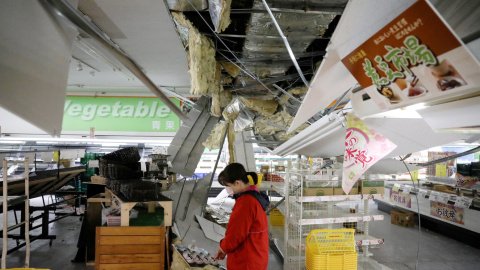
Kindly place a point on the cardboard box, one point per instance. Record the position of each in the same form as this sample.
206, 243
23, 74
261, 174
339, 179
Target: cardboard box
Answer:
96, 179
322, 191
264, 169
371, 187
402, 218
279, 168
337, 190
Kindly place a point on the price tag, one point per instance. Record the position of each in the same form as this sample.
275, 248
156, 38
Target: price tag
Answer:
463, 202
443, 197
352, 219
422, 193
434, 196
407, 189
367, 218
396, 187
365, 242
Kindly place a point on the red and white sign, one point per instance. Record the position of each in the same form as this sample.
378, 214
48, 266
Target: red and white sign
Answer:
363, 148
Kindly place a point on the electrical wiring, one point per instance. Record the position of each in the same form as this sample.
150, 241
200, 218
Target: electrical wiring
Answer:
419, 218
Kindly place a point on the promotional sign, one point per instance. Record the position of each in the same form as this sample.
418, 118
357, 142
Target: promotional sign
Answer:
465, 181
447, 212
400, 198
446, 169
363, 148
415, 58
137, 114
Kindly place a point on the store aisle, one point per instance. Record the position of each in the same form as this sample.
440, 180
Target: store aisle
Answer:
399, 251
436, 251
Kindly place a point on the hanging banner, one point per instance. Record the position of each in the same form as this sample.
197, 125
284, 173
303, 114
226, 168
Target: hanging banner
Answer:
465, 181
401, 199
446, 170
447, 212
415, 58
363, 148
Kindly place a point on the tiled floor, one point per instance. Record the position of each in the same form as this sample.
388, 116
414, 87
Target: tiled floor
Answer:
399, 251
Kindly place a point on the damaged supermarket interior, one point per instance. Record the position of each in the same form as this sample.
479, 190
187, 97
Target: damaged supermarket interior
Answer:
240, 134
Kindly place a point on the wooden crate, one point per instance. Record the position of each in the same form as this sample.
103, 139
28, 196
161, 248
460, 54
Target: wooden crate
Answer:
132, 248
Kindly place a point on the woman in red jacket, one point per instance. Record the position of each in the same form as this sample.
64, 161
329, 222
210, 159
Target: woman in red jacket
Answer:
246, 238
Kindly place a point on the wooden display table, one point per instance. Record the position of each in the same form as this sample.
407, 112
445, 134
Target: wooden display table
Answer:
132, 248
126, 206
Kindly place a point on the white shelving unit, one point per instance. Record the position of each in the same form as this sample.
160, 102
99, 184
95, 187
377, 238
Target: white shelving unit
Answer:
306, 213
11, 200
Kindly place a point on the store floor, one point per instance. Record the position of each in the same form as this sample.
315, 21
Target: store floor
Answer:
399, 251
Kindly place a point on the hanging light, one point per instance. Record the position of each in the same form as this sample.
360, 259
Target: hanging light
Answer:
79, 66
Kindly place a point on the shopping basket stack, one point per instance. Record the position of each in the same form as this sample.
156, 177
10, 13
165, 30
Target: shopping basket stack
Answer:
331, 250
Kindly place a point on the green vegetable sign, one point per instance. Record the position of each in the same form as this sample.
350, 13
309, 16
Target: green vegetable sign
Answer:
138, 114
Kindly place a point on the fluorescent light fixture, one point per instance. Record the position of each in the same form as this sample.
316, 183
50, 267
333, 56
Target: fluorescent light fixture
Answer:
99, 57
12, 141
86, 140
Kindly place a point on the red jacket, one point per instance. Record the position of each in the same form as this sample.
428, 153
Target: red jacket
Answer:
246, 238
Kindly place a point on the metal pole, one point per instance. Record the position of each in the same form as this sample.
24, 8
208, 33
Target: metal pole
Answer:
215, 168
5, 215
285, 41
27, 214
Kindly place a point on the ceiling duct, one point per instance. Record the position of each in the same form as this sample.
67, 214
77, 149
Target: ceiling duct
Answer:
301, 29
184, 5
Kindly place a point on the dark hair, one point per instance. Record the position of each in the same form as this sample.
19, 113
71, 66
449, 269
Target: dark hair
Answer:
233, 172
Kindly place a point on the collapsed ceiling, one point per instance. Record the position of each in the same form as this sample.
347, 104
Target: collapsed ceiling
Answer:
236, 53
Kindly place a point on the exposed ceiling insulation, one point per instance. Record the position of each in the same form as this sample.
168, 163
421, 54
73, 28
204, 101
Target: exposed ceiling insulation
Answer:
256, 65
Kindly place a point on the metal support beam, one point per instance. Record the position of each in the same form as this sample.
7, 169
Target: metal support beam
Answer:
79, 20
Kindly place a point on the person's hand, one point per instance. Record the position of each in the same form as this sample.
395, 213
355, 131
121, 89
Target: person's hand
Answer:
220, 255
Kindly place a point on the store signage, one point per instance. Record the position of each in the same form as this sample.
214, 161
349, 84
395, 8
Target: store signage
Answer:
407, 189
137, 114
363, 148
400, 198
447, 212
448, 166
441, 170
463, 202
415, 58
465, 181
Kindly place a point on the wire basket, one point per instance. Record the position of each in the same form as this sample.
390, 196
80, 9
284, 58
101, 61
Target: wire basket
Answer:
277, 218
330, 261
331, 249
